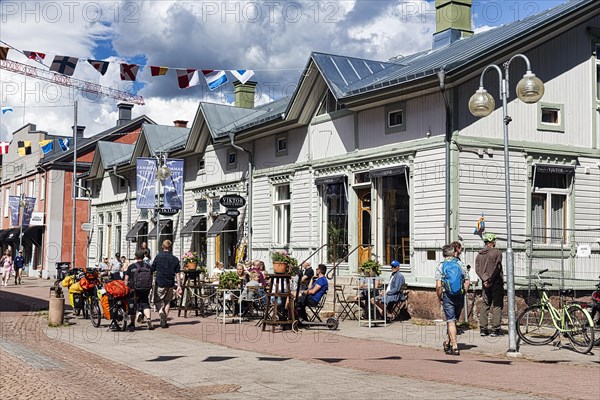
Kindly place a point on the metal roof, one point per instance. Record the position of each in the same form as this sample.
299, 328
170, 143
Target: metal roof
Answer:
112, 153
165, 138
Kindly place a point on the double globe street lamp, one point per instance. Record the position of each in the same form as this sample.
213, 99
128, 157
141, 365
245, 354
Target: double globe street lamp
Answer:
530, 90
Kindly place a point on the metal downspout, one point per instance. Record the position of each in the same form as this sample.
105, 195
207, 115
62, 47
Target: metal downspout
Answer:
128, 199
250, 179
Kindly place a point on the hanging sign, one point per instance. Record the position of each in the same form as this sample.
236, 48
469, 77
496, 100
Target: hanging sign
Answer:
145, 181
14, 207
232, 213
28, 210
232, 201
173, 185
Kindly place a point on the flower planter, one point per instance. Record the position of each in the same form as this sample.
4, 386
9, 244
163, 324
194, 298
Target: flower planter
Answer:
280, 267
191, 266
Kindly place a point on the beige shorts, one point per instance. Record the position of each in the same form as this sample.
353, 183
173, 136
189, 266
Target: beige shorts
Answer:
164, 295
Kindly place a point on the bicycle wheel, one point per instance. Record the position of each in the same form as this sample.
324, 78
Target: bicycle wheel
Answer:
95, 312
535, 326
86, 308
121, 318
579, 328
596, 319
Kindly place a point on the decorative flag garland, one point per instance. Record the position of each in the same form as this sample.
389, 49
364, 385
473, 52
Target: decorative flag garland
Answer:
3, 52
4, 147
34, 55
24, 147
6, 109
242, 75
64, 65
187, 78
100, 66
129, 71
64, 144
47, 146
158, 71
214, 78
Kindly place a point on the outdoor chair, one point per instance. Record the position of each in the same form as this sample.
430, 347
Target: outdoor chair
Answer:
347, 305
253, 305
316, 310
395, 309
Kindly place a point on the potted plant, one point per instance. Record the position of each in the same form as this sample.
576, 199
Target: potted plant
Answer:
370, 268
229, 280
191, 260
202, 270
283, 262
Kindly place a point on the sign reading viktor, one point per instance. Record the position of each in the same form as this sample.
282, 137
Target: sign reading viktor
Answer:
232, 201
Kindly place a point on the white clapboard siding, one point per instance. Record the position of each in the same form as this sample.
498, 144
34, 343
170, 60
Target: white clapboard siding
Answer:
587, 194
332, 138
261, 212
429, 198
265, 154
482, 190
304, 195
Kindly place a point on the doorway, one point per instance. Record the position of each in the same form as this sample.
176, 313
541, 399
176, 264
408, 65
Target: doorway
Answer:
364, 225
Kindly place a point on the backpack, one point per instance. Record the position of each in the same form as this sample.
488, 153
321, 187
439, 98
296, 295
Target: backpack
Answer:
117, 288
142, 277
452, 277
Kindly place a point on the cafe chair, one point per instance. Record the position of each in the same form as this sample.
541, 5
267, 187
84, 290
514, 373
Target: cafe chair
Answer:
315, 311
347, 306
395, 309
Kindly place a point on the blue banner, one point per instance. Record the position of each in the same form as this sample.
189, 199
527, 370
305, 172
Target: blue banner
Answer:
173, 185
13, 205
145, 183
28, 210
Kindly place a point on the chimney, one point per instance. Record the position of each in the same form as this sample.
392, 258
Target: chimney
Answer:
124, 113
452, 21
80, 130
244, 94
180, 123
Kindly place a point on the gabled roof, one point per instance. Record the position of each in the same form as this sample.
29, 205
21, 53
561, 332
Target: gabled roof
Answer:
165, 138
113, 153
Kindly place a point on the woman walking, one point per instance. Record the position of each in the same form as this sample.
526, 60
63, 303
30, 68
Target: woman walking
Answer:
7, 266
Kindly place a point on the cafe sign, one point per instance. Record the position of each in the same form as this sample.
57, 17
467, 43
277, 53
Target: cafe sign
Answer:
232, 201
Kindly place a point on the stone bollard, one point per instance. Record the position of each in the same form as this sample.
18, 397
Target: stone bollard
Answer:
56, 310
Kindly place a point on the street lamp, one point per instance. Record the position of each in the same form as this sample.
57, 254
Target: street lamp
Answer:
162, 174
530, 89
23, 203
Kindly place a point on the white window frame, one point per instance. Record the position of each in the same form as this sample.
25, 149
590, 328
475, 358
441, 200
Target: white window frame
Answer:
31, 188
118, 231
281, 227
597, 66
6, 201
43, 187
278, 150
549, 192
390, 109
551, 126
201, 166
19, 189
201, 210
232, 165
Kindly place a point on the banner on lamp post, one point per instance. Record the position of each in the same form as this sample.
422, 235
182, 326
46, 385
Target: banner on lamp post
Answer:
145, 183
173, 185
28, 210
14, 207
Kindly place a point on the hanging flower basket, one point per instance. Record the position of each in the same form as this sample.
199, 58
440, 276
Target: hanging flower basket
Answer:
280, 267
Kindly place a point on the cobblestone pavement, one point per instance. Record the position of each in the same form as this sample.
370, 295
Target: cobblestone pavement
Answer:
199, 358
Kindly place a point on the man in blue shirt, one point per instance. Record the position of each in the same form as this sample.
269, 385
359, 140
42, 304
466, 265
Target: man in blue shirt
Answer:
19, 265
313, 295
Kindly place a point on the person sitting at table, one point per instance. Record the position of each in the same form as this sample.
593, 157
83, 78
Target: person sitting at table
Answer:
363, 285
394, 292
256, 267
313, 295
217, 271
242, 274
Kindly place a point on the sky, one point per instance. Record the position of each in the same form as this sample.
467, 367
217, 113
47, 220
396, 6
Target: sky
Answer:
273, 38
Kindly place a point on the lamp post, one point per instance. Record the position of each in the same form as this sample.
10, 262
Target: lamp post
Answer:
23, 203
162, 174
530, 89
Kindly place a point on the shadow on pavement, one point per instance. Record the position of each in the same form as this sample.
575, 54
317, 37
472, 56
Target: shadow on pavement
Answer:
164, 358
15, 302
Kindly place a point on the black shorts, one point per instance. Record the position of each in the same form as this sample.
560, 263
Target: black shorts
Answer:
142, 299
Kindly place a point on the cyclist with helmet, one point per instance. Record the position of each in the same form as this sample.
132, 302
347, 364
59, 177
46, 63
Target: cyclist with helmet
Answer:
488, 266
394, 291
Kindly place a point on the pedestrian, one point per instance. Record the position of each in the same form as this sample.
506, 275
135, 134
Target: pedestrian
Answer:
458, 248
7, 266
116, 267
167, 268
103, 265
451, 282
139, 277
144, 247
19, 264
488, 266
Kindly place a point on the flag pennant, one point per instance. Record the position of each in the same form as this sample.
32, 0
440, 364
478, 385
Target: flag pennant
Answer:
64, 65
242, 75
100, 66
47, 146
64, 144
214, 78
129, 72
187, 78
24, 147
33, 55
6, 109
3, 52
480, 227
158, 71
4, 147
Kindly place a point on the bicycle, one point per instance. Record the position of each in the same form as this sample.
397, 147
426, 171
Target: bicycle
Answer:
541, 323
91, 306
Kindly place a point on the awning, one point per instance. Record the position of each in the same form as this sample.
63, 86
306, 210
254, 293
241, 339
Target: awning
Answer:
555, 169
34, 233
196, 224
12, 235
133, 234
218, 226
379, 173
165, 225
329, 180
3, 234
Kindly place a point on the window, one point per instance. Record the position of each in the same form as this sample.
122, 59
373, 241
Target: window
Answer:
231, 160
216, 205
201, 166
6, 201
281, 214
201, 206
362, 177
550, 117
121, 183
281, 146
31, 188
549, 205
394, 194
329, 104
598, 72
118, 231
335, 202
100, 242
395, 115
19, 190
43, 187
82, 188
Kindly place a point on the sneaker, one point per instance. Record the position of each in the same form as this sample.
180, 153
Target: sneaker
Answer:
163, 319
483, 332
149, 323
139, 317
131, 327
496, 333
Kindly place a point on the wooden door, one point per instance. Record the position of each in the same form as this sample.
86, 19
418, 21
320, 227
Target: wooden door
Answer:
364, 225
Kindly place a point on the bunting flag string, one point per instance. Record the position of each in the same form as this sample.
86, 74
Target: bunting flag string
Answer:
64, 65
100, 66
64, 144
47, 146
6, 109
4, 147
33, 55
242, 75
187, 78
129, 71
24, 147
214, 78
3, 52
158, 71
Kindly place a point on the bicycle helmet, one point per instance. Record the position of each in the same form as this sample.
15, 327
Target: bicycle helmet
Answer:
489, 237
394, 264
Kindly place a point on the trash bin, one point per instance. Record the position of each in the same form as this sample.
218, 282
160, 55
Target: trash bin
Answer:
62, 269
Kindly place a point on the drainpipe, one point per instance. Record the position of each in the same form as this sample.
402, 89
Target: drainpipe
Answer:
128, 199
46, 199
250, 177
448, 137
89, 236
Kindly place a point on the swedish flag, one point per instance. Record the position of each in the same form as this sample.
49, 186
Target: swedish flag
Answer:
24, 147
47, 146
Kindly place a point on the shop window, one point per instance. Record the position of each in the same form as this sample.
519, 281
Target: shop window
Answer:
335, 202
396, 217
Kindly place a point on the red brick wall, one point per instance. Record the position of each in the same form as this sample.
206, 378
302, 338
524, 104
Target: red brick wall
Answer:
80, 235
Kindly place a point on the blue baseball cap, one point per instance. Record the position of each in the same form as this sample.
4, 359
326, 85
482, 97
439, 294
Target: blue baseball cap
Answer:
395, 264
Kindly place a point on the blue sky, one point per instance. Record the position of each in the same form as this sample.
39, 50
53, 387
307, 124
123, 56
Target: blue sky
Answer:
273, 38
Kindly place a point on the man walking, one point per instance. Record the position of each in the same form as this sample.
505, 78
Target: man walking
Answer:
19, 265
139, 277
488, 266
167, 269
451, 282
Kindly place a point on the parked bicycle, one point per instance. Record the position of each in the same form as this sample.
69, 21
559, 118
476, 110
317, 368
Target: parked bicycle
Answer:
594, 308
541, 323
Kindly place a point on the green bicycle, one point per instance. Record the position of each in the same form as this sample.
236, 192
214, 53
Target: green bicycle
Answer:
541, 323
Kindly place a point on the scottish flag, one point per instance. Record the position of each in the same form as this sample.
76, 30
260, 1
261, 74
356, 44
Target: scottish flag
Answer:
214, 78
